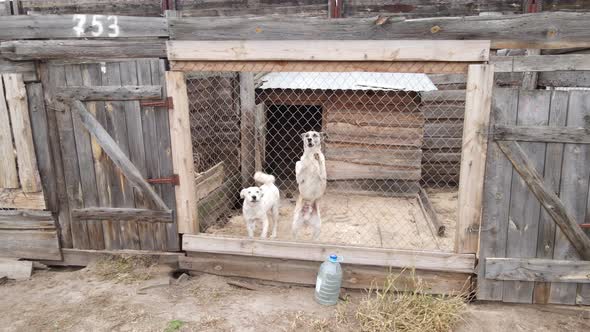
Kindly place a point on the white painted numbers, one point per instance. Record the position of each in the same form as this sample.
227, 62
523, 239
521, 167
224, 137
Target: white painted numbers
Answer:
97, 26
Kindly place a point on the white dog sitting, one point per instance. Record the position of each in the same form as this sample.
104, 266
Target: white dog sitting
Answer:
258, 202
310, 173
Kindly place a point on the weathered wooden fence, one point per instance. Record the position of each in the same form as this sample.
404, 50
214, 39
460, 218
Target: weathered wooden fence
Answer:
536, 192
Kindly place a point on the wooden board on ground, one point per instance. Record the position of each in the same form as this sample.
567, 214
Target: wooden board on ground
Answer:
305, 272
434, 261
78, 257
206, 182
31, 244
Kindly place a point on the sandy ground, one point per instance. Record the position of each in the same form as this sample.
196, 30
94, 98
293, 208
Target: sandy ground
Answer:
67, 300
383, 222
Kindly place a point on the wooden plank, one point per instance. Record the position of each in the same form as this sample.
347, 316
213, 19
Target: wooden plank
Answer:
165, 154
348, 133
218, 202
260, 137
51, 77
103, 167
80, 26
123, 214
373, 155
18, 106
513, 31
573, 135
433, 261
25, 215
565, 78
132, 110
443, 95
532, 269
40, 130
78, 257
333, 50
305, 273
548, 199
366, 115
91, 233
13, 269
431, 212
126, 92
437, 112
342, 170
206, 182
380, 188
442, 129
422, 67
421, 8
27, 69
8, 171
147, 231
247, 129
19, 50
552, 178
573, 194
480, 81
116, 155
182, 154
31, 244
537, 63
104, 7
247, 9
523, 225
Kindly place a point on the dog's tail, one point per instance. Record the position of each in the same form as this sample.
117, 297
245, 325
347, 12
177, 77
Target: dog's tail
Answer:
263, 178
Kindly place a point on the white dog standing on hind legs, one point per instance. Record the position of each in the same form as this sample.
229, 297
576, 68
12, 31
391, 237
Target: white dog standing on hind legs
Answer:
259, 202
310, 173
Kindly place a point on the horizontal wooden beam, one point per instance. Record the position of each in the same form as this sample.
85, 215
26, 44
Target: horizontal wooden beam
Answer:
329, 50
433, 261
127, 92
574, 135
31, 244
82, 49
533, 269
80, 26
539, 63
560, 29
548, 199
120, 214
305, 272
81, 257
321, 66
26, 220
443, 95
118, 157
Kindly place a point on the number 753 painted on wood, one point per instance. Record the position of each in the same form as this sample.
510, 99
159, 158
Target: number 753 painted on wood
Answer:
97, 23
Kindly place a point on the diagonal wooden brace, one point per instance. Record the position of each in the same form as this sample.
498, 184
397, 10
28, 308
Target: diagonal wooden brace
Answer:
118, 157
546, 197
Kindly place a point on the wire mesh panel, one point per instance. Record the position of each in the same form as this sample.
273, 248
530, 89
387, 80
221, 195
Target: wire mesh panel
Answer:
386, 137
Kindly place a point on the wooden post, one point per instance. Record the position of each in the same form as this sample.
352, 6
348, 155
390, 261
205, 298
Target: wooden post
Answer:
182, 154
480, 82
247, 138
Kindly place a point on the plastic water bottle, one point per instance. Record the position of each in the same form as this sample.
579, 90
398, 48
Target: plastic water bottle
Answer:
328, 282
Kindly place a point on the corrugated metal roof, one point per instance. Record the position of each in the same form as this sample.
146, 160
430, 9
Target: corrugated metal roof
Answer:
348, 81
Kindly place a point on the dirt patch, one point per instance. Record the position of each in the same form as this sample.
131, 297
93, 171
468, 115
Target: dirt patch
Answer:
362, 220
68, 300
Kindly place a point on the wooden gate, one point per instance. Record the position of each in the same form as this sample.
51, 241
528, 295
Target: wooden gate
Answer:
536, 199
112, 143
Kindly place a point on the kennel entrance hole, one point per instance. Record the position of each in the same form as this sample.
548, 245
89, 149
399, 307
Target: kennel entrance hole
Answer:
285, 124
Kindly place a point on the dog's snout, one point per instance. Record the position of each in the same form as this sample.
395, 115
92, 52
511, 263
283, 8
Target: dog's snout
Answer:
254, 198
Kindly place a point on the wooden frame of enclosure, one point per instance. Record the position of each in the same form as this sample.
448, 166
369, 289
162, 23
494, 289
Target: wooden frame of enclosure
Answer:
392, 56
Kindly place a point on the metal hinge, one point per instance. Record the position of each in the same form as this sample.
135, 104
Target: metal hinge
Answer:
168, 103
169, 180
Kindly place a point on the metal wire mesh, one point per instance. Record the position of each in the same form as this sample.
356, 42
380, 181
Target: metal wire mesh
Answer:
388, 136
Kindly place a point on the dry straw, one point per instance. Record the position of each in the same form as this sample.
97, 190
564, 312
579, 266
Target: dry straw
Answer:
388, 309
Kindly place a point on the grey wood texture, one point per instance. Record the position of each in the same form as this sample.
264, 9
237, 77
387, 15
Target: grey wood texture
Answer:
131, 214
126, 92
532, 269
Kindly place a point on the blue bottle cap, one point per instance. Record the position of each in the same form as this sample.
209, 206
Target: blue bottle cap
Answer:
333, 258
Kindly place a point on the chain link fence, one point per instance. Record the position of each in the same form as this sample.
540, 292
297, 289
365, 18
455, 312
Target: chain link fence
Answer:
392, 141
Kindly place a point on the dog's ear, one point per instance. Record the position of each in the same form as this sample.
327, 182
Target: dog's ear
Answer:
243, 193
302, 135
261, 193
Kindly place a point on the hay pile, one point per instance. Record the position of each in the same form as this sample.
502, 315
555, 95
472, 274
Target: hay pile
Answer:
410, 311
123, 268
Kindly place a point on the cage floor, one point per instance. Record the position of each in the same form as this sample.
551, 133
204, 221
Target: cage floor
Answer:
385, 222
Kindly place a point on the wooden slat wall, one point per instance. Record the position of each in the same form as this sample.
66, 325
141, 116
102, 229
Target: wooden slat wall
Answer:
514, 224
91, 179
103, 7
